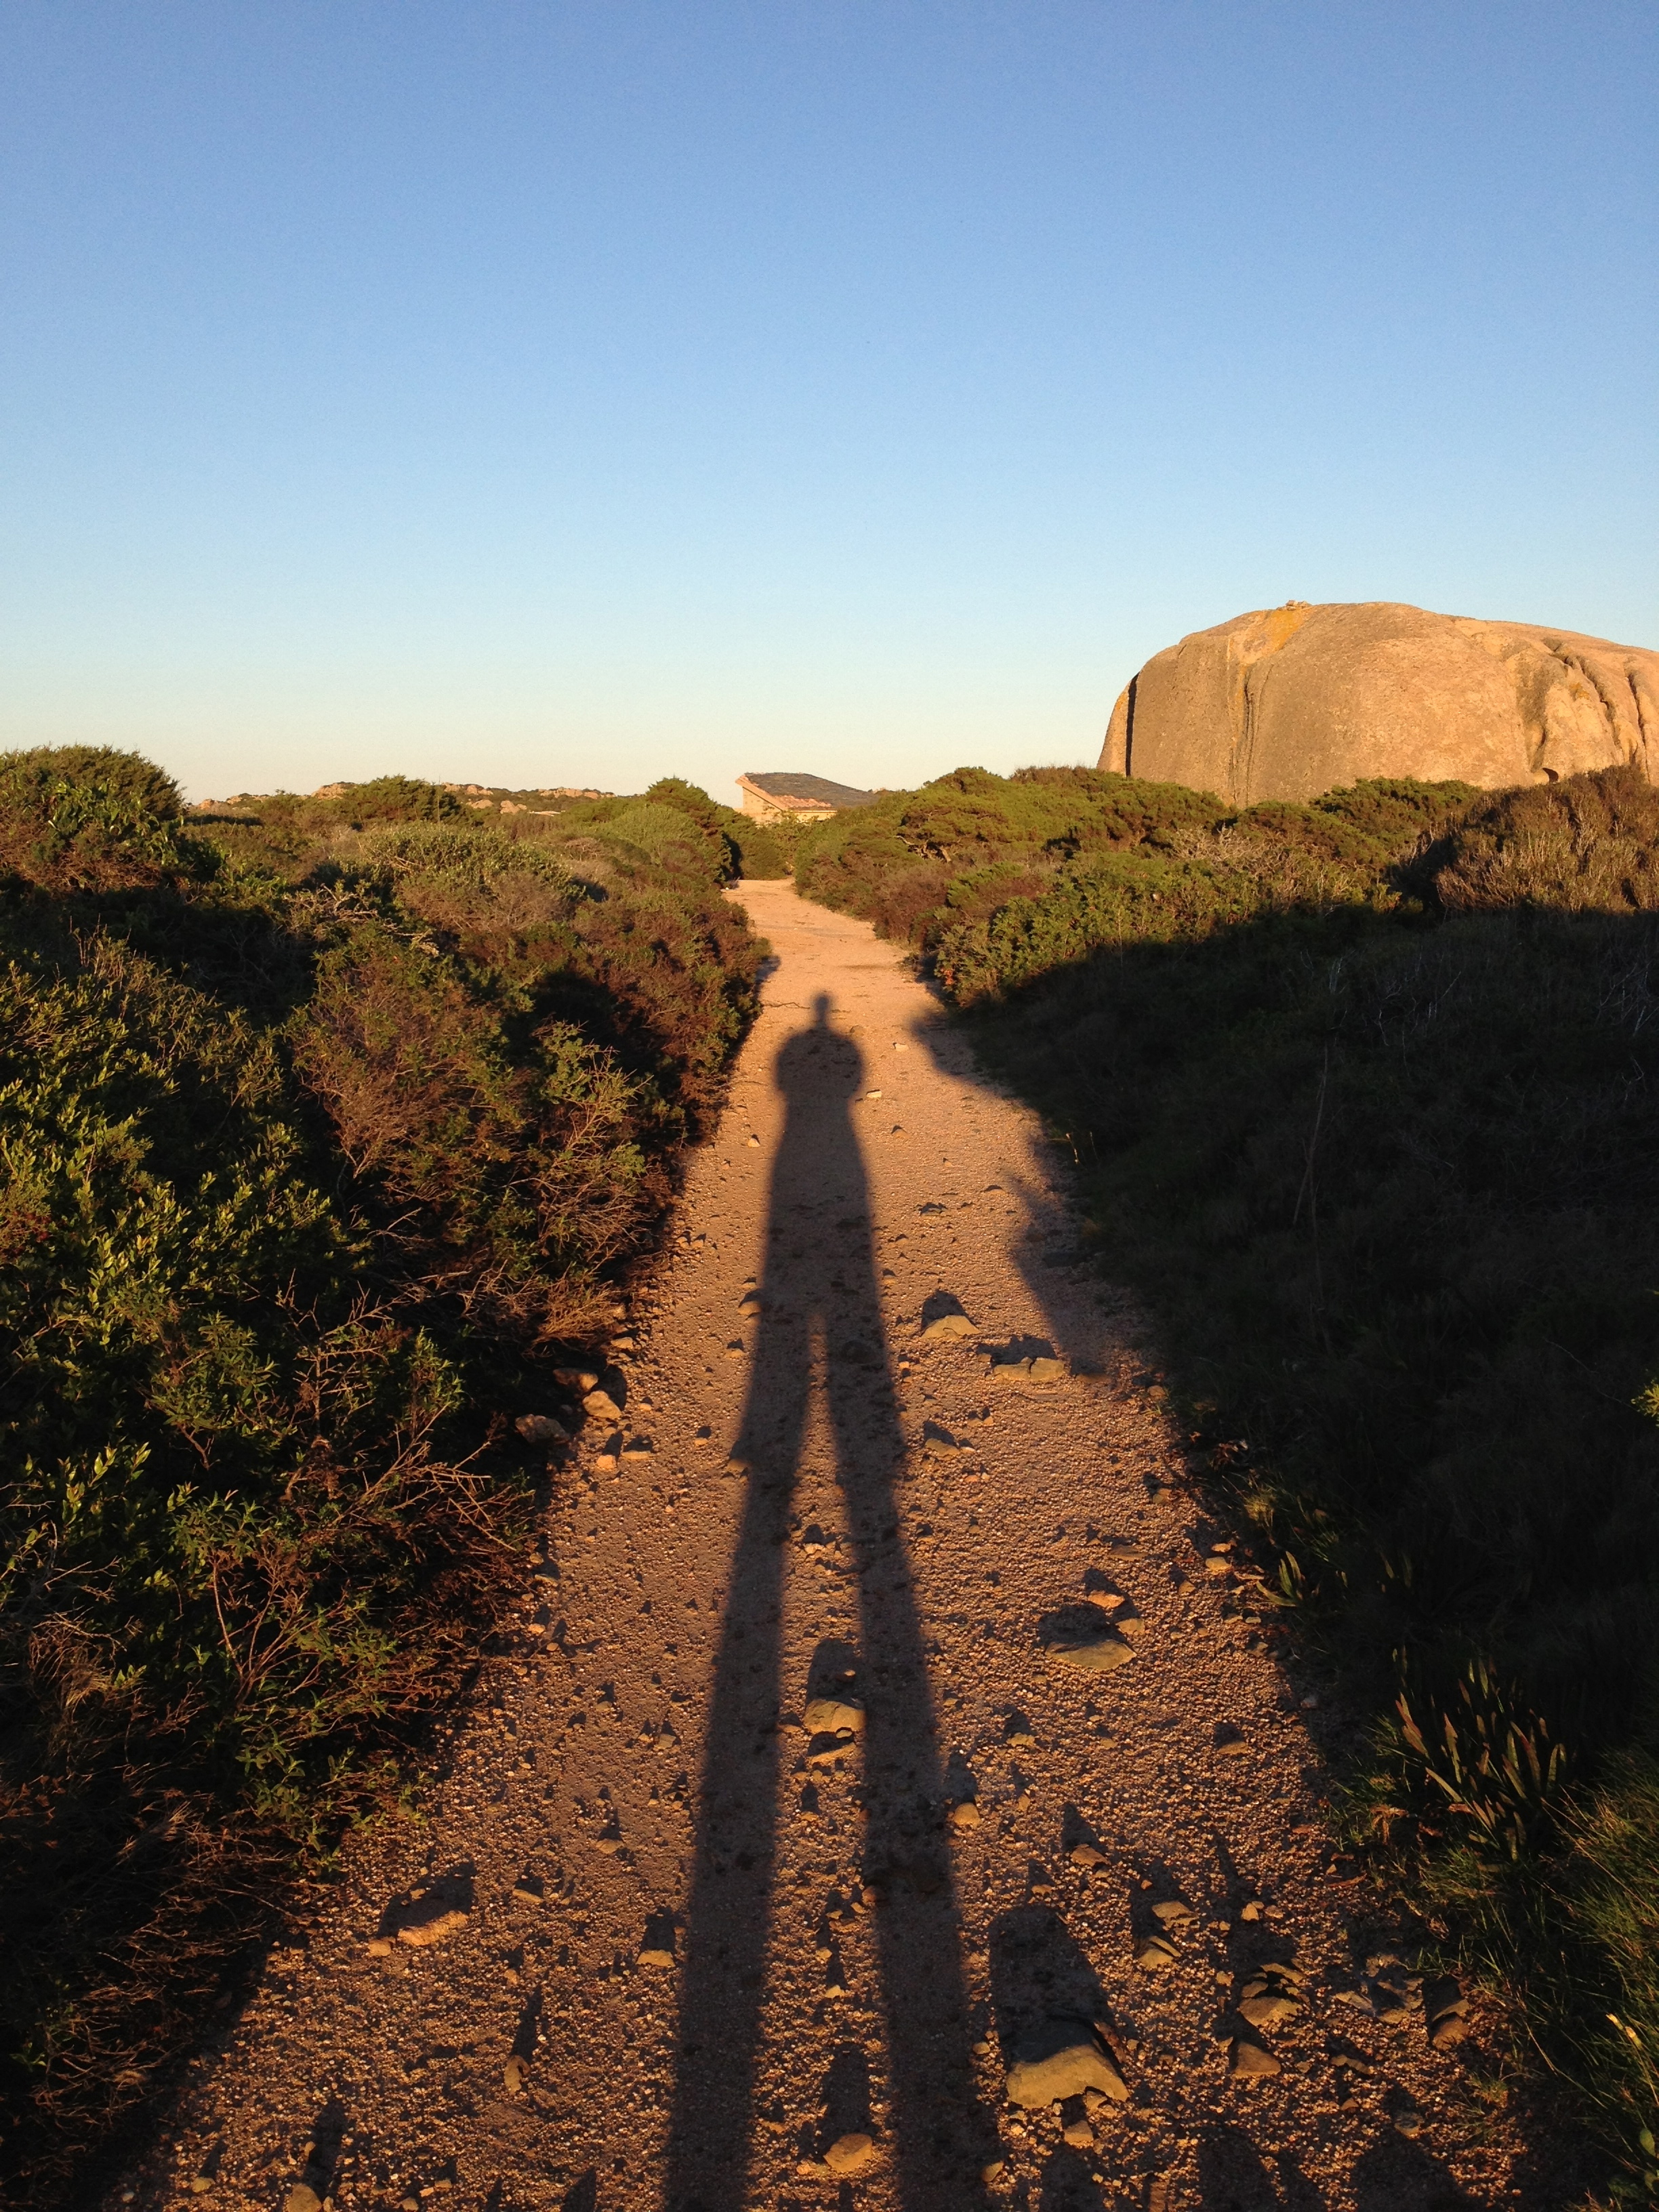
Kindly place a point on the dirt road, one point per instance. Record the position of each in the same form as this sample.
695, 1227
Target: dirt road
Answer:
888, 1721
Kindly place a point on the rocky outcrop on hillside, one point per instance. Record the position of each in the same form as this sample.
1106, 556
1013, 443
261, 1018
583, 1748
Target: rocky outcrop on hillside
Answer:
1287, 702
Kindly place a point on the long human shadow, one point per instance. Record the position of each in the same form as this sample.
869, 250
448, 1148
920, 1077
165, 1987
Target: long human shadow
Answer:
820, 1321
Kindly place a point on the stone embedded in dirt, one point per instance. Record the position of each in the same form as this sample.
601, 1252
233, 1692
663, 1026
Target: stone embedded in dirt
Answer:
378, 1946
1448, 2032
302, 2197
429, 1913
992, 2170
1395, 1993
1443, 1995
1228, 1742
736, 1465
529, 1889
600, 1405
1079, 2134
1249, 2061
1061, 2058
1274, 1983
1044, 1369
755, 1142
541, 1429
515, 2074
942, 1315
638, 1448
1009, 1371
832, 1717
657, 1944
850, 2153
749, 1304
734, 1350
577, 1378
1252, 1910
1086, 1855
1017, 1730
425, 1933
964, 1815
1445, 2008
1153, 1954
1083, 1637
1171, 1911
1269, 2010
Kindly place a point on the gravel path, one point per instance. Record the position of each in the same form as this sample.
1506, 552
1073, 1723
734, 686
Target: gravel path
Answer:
886, 1725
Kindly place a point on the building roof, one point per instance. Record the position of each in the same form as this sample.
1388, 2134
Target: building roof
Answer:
806, 790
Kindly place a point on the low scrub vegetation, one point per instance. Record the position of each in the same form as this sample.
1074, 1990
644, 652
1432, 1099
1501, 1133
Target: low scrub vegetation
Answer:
326, 1128
1361, 1093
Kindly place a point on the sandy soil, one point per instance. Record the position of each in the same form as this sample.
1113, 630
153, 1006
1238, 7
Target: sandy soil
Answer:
855, 1939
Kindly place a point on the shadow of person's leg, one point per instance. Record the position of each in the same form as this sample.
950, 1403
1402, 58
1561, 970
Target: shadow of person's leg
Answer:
729, 1911
940, 2138
819, 1270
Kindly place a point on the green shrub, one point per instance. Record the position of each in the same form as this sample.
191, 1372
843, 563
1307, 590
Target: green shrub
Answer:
324, 1134
1588, 843
514, 1166
753, 847
391, 799
997, 880
85, 818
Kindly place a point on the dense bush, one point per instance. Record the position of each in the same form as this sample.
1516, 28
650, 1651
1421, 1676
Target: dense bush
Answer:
997, 880
755, 848
323, 1132
1362, 1095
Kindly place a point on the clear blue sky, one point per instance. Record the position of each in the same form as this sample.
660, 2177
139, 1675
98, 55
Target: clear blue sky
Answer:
579, 393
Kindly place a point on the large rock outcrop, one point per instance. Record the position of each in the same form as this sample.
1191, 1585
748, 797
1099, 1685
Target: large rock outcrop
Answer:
1290, 702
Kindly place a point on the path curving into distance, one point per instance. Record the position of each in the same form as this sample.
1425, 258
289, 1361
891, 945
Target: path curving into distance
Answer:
690, 1951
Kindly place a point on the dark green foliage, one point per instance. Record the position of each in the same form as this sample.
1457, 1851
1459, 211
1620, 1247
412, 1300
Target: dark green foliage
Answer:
1361, 1094
1000, 879
392, 799
82, 817
755, 848
322, 1134
1589, 843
